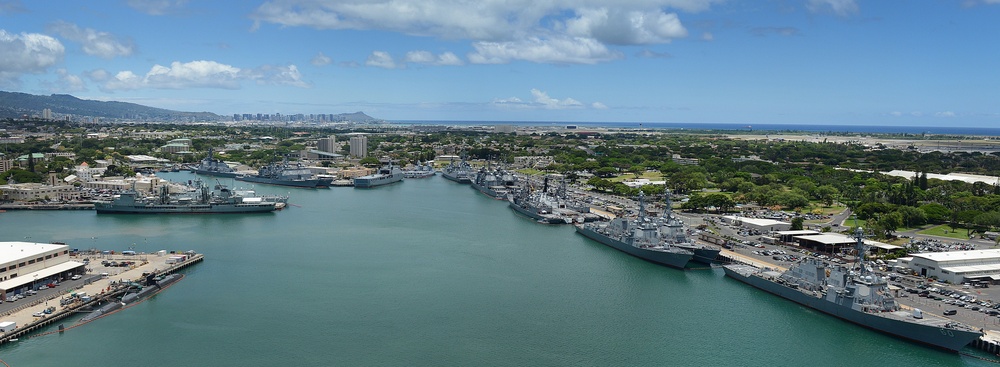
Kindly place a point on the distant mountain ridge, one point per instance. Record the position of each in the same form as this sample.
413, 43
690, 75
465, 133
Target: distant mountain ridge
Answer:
15, 104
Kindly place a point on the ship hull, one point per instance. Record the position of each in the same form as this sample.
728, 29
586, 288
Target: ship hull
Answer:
487, 191
702, 254
312, 183
944, 338
676, 260
214, 173
103, 208
538, 217
462, 179
374, 181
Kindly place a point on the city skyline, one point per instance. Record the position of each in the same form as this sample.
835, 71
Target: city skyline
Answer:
840, 62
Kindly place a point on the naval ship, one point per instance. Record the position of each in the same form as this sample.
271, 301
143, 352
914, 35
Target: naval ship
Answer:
858, 295
674, 231
550, 207
202, 201
639, 237
460, 172
495, 183
285, 174
213, 167
419, 170
386, 175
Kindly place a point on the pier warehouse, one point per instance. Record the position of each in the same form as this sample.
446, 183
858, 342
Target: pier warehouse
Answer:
957, 267
26, 265
758, 224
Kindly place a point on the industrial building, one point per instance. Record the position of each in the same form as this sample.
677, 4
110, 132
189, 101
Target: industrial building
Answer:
758, 224
957, 267
26, 265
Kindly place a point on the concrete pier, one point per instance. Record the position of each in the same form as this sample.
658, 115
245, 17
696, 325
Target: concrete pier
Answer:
103, 290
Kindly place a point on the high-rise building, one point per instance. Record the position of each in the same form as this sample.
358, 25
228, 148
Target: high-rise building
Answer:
46, 114
328, 145
359, 146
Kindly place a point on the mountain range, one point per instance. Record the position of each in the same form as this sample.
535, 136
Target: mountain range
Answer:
18, 105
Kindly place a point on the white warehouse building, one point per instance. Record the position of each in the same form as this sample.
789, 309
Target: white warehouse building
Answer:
957, 266
26, 265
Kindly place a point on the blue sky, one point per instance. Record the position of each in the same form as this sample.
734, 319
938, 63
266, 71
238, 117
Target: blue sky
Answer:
842, 62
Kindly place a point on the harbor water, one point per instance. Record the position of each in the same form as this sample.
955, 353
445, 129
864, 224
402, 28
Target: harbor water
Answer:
426, 273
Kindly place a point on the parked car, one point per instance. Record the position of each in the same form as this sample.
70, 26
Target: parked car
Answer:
950, 312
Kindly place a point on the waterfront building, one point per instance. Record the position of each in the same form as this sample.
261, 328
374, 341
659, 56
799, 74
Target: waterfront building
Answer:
26, 265
36, 191
758, 224
957, 267
359, 146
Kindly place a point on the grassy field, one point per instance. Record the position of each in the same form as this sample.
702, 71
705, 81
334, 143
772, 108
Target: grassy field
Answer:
945, 230
529, 171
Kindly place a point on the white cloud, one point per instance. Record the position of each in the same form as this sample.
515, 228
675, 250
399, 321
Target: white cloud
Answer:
560, 50
380, 59
542, 100
198, 74
499, 24
428, 58
157, 7
277, 75
553, 103
26, 53
621, 27
838, 7
68, 83
96, 43
320, 59
707, 36
650, 54
945, 114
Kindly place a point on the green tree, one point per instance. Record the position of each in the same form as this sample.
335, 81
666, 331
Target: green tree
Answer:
797, 223
369, 162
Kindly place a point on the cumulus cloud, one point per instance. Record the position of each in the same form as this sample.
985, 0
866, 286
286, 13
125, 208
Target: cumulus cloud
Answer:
542, 100
93, 42
157, 7
198, 74
381, 59
559, 50
67, 83
521, 26
620, 27
838, 7
428, 58
707, 36
320, 59
26, 53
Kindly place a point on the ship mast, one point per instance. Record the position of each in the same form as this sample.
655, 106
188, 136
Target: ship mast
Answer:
862, 249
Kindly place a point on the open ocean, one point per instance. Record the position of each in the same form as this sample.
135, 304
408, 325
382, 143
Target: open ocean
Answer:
427, 273
808, 128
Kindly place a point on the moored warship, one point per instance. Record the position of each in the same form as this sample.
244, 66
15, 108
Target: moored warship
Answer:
460, 171
202, 201
213, 167
495, 183
285, 174
385, 175
639, 237
550, 207
858, 295
674, 231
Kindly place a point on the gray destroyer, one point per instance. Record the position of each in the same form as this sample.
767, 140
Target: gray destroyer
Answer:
203, 201
638, 237
858, 295
460, 172
286, 174
550, 207
495, 183
214, 167
673, 230
385, 175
